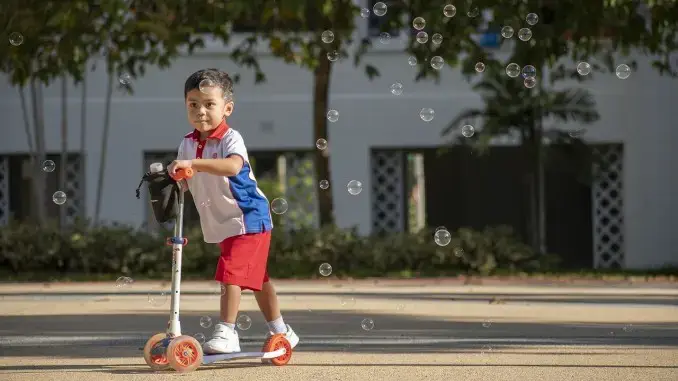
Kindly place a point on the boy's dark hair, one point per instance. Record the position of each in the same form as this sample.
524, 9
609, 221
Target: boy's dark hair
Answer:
217, 77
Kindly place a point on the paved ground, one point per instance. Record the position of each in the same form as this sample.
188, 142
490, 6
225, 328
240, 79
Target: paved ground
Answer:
422, 331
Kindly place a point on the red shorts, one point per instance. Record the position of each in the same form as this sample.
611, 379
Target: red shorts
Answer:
243, 260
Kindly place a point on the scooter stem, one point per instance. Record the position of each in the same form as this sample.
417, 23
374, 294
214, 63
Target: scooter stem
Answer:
174, 326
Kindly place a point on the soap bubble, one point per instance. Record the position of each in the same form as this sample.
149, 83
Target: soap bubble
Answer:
529, 71
364, 13
380, 9
279, 205
507, 32
325, 269
367, 324
623, 71
16, 39
157, 299
59, 197
467, 131
584, 68
243, 322
333, 56
437, 38
513, 70
419, 23
384, 38
200, 337
449, 10
205, 321
524, 34
397, 88
412, 61
327, 36
532, 19
48, 166
205, 85
422, 37
427, 114
123, 282
530, 82
354, 187
442, 237
333, 116
324, 184
321, 144
437, 62
480, 67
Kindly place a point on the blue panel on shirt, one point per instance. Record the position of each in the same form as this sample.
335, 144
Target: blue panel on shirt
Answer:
254, 206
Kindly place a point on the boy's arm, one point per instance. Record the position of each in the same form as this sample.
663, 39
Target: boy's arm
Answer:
234, 157
229, 166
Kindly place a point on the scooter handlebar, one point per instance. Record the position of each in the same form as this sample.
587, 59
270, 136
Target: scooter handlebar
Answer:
182, 174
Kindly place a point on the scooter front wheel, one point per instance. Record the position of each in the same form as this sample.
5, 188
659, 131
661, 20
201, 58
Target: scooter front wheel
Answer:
184, 354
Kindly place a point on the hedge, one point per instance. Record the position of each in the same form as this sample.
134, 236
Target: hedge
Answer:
124, 250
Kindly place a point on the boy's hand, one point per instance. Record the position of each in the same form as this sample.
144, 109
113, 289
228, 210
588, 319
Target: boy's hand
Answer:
179, 164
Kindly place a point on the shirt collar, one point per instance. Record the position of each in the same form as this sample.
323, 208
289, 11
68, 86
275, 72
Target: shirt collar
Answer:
217, 134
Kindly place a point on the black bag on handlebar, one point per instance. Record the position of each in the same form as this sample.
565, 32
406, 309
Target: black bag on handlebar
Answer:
164, 195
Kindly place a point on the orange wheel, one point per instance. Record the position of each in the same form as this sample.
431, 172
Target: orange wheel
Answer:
274, 343
184, 354
154, 360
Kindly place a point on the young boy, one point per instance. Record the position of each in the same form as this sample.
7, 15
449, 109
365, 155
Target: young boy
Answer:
233, 211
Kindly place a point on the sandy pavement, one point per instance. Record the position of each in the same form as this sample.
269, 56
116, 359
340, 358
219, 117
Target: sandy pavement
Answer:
422, 331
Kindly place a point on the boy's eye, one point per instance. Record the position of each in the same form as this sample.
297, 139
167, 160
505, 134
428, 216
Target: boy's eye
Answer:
211, 104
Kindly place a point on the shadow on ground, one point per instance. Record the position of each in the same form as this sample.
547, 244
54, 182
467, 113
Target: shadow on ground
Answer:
122, 335
572, 298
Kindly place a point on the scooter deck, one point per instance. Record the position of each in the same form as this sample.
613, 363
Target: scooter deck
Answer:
208, 359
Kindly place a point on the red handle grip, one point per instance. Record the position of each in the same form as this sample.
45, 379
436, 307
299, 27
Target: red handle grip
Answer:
184, 173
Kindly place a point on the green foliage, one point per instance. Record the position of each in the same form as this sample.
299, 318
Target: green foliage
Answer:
95, 251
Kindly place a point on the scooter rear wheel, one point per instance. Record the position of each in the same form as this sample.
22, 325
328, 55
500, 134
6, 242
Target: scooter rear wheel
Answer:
274, 343
155, 361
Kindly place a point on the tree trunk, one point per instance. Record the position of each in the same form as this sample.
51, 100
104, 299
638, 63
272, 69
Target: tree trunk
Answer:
104, 147
38, 178
83, 136
63, 161
536, 175
321, 88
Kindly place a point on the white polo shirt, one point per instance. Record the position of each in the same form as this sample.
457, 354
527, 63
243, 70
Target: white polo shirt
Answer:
228, 206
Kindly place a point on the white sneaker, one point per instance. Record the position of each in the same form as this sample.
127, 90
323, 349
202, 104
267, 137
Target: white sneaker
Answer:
289, 335
224, 340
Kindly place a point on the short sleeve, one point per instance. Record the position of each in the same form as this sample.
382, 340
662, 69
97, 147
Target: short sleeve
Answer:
180, 152
234, 145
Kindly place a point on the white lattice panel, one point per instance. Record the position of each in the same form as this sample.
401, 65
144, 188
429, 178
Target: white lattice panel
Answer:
74, 188
300, 191
608, 206
4, 190
388, 191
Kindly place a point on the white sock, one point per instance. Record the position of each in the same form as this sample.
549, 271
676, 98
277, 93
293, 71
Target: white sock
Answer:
277, 326
229, 325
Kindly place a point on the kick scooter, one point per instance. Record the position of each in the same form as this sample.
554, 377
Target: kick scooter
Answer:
183, 353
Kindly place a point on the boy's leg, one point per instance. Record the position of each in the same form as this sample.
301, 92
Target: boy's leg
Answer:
230, 303
267, 300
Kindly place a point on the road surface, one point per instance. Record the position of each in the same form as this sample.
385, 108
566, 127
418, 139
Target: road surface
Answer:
94, 331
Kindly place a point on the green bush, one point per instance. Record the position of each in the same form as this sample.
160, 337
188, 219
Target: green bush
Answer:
122, 250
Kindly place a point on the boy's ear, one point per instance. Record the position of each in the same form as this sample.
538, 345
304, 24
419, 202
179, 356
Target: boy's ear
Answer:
228, 108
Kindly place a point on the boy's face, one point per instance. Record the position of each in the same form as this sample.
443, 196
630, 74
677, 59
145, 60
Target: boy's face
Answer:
207, 108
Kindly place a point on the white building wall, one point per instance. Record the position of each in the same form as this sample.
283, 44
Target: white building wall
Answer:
641, 112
